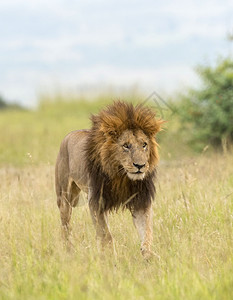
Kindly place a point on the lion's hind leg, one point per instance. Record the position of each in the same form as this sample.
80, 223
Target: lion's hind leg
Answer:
66, 201
74, 192
65, 214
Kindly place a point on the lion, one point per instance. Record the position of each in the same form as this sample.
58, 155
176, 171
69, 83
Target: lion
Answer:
114, 162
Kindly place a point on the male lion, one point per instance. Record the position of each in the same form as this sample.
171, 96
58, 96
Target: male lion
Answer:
115, 163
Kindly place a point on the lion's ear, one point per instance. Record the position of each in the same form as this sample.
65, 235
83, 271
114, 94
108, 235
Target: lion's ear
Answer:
109, 125
153, 127
159, 125
113, 133
108, 131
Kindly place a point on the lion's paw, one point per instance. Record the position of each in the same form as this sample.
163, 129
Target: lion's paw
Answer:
149, 255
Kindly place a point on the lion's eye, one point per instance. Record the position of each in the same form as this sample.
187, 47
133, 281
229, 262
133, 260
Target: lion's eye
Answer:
126, 146
144, 145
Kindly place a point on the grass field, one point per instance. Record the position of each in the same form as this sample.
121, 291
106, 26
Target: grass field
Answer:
193, 221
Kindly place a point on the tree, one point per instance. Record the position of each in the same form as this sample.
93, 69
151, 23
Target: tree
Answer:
208, 110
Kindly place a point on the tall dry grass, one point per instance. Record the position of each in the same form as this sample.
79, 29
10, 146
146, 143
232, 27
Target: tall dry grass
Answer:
193, 236
193, 216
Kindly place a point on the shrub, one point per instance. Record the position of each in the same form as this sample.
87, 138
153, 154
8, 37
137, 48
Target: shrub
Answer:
207, 112
13, 106
2, 103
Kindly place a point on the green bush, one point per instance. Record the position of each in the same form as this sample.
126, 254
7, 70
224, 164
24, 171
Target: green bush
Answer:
207, 112
2, 103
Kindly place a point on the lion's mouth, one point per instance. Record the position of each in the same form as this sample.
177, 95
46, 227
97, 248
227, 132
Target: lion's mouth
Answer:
139, 175
138, 172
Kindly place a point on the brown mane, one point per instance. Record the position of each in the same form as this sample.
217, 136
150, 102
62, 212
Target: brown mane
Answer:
106, 179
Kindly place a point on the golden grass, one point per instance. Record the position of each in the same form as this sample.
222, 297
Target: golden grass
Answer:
193, 236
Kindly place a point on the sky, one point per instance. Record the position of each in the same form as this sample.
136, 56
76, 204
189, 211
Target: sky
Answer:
86, 45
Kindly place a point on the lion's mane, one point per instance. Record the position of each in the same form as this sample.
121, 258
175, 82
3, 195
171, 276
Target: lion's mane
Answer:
110, 187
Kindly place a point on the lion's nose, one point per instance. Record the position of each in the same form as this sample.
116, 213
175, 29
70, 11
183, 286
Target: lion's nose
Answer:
139, 166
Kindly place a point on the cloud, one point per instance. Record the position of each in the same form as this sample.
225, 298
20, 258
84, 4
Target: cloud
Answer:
152, 43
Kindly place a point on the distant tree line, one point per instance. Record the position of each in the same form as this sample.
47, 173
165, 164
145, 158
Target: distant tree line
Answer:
5, 105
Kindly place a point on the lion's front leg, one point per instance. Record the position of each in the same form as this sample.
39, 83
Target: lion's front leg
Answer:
100, 221
143, 222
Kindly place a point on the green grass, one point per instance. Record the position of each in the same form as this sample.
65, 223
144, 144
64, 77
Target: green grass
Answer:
193, 223
34, 136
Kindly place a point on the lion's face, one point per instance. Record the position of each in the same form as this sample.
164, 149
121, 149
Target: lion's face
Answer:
133, 153
122, 142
